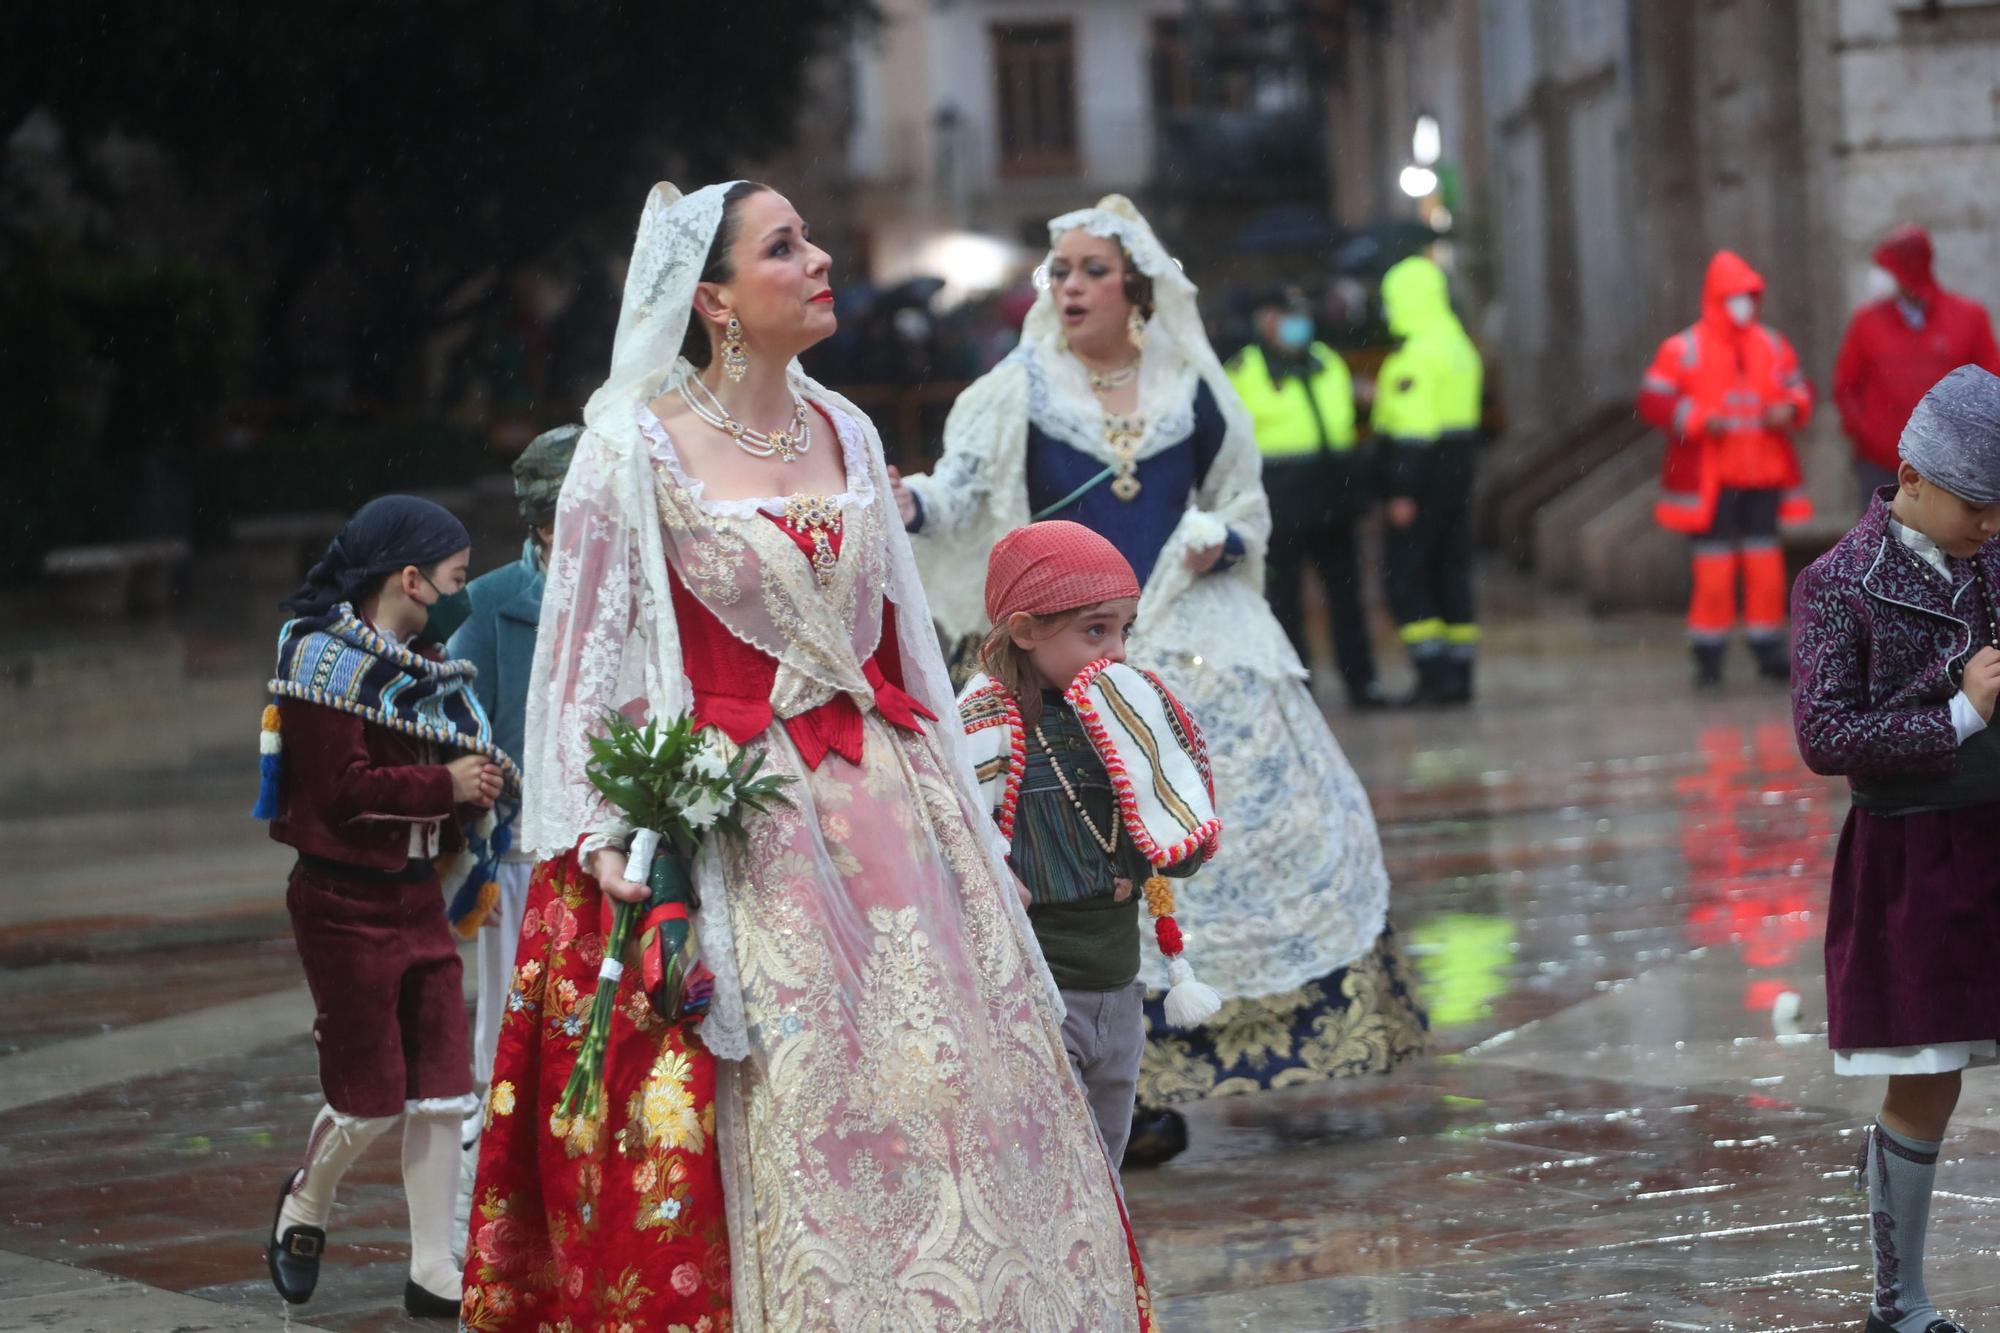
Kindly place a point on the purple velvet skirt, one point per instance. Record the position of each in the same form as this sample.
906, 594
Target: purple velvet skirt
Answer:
1913, 930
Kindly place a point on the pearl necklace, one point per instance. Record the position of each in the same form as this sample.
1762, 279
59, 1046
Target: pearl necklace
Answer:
1105, 381
1109, 846
1122, 433
789, 445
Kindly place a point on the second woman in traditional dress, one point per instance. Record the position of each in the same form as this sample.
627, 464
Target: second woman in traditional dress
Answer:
1114, 412
900, 1143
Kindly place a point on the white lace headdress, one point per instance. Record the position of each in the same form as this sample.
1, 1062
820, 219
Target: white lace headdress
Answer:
978, 491
608, 637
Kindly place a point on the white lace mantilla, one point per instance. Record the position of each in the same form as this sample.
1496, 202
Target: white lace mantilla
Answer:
1061, 402
1298, 888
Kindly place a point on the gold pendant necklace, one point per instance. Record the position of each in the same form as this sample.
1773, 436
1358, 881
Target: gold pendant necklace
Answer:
1122, 431
1122, 436
818, 517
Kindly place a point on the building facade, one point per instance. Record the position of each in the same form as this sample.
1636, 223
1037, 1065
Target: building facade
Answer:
1629, 141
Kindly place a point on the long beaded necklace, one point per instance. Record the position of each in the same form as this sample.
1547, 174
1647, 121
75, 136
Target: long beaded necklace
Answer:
1109, 846
789, 445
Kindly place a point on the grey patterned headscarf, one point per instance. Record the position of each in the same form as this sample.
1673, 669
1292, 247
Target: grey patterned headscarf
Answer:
539, 473
1953, 437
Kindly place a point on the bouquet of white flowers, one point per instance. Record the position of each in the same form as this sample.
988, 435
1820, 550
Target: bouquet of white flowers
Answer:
675, 786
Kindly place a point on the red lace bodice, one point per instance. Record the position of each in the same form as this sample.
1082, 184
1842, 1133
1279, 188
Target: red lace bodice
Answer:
732, 681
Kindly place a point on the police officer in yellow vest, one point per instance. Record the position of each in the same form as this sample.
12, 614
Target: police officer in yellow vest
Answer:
1426, 421
1301, 402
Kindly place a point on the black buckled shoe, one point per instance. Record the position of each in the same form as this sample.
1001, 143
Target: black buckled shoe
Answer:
422, 1303
294, 1257
1158, 1136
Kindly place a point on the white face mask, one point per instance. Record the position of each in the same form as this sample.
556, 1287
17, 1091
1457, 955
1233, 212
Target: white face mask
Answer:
1881, 283
1741, 308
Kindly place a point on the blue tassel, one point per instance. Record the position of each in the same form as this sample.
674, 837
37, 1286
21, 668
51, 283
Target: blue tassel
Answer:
268, 768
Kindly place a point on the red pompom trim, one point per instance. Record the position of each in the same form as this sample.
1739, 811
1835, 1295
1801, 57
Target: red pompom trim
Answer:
1204, 839
1168, 932
1017, 767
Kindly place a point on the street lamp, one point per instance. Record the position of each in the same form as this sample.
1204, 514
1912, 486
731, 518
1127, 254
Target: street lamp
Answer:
1418, 182
1427, 141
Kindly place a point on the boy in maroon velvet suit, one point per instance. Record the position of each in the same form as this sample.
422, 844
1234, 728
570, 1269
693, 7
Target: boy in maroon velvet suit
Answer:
380, 753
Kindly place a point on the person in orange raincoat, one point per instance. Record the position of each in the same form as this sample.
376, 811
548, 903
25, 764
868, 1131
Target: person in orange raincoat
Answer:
1729, 395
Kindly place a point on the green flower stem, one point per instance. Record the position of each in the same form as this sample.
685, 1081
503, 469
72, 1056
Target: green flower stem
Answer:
586, 1080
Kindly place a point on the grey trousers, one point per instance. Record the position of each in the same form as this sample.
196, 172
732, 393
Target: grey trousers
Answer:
1104, 1033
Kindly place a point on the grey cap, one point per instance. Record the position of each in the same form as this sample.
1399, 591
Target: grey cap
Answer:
539, 473
1953, 436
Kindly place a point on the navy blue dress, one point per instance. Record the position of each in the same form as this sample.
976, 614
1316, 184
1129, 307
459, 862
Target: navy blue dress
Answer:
1138, 527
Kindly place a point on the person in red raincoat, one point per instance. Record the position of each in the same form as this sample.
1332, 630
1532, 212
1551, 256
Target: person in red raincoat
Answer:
1895, 348
1729, 395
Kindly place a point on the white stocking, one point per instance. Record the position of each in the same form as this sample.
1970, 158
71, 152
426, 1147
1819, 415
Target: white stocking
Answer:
335, 1143
430, 1185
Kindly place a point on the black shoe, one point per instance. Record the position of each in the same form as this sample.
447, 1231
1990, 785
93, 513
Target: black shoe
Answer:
425, 1304
294, 1257
1431, 690
1158, 1136
1368, 698
1773, 661
1708, 665
1455, 681
1877, 1324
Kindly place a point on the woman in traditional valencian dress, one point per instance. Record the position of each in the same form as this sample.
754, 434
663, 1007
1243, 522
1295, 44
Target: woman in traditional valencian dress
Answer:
1114, 412
901, 1145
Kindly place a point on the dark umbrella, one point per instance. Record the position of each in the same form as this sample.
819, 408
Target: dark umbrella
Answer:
1293, 227
910, 292
1371, 251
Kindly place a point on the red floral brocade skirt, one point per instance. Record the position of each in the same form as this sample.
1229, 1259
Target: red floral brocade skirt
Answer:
611, 1225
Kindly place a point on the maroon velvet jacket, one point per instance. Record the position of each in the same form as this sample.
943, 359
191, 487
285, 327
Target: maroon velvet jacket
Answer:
1878, 640
351, 790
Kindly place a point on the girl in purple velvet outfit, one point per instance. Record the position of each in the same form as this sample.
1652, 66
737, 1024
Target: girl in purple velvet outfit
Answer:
1896, 666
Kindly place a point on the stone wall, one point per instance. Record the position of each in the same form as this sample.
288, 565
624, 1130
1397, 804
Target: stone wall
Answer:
1631, 140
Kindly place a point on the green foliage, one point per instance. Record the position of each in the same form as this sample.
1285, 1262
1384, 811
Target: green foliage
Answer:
398, 156
168, 333
652, 774
155, 346
333, 466
676, 782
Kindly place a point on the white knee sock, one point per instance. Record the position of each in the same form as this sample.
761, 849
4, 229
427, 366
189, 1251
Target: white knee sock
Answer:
431, 1157
1898, 1173
334, 1144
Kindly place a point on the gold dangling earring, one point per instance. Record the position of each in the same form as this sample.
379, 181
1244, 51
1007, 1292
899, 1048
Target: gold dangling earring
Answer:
735, 361
1135, 328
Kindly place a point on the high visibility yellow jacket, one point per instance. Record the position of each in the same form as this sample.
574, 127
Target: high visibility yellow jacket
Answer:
1288, 419
1429, 386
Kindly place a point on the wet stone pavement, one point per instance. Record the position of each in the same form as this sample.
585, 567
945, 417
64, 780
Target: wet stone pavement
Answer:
1610, 889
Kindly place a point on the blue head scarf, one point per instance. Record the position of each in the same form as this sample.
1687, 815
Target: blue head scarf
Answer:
383, 536
1953, 437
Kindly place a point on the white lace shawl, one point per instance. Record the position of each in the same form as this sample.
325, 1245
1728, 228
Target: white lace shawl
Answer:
978, 491
608, 638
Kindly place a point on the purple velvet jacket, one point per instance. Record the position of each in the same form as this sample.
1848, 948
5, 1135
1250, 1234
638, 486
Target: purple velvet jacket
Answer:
1878, 641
